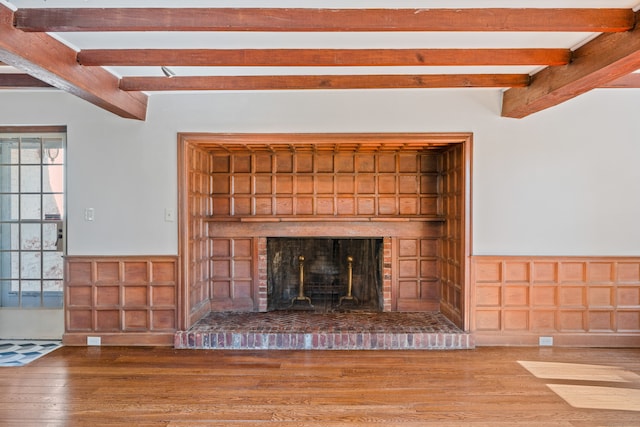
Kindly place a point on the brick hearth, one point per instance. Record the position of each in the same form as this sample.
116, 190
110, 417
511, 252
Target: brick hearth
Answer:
295, 330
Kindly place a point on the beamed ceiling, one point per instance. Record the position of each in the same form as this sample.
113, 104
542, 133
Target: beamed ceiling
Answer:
115, 54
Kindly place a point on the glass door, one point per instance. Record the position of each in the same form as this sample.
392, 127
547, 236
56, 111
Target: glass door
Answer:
32, 218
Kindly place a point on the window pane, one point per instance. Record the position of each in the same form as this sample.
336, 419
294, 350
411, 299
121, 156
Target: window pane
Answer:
7, 287
30, 268
8, 207
52, 285
30, 206
52, 265
49, 236
9, 233
53, 151
30, 151
30, 237
53, 179
53, 205
31, 286
30, 179
9, 151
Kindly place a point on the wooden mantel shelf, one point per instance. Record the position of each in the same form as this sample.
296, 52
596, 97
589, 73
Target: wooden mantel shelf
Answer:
263, 219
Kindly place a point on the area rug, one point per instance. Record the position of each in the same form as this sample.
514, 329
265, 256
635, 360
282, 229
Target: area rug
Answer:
19, 352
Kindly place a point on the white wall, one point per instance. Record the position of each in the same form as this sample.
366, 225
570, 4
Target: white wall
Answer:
565, 181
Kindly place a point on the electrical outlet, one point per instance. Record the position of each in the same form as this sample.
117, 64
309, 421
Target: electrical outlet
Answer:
545, 341
94, 341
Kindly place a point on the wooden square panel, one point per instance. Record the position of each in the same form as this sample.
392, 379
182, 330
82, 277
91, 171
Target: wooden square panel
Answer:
304, 184
221, 268
346, 206
163, 320
571, 321
134, 296
366, 206
408, 162
387, 184
429, 205
221, 247
543, 295
284, 162
516, 272
107, 272
107, 320
516, 296
264, 205
543, 320
545, 272
79, 296
408, 184
344, 163
600, 296
516, 320
488, 320
408, 289
242, 205
284, 184
628, 296
164, 271
135, 272
324, 206
304, 162
600, 320
221, 289
284, 206
489, 271
387, 206
242, 184
263, 163
386, 163
574, 272
429, 184
428, 163
221, 184
488, 296
242, 163
345, 184
601, 272
628, 321
79, 320
408, 205
429, 268
79, 272
220, 163
263, 184
242, 248
324, 162
572, 296
163, 296
324, 184
629, 272
408, 268
365, 184
135, 320
221, 206
107, 296
365, 163
241, 268
304, 206
408, 247
242, 289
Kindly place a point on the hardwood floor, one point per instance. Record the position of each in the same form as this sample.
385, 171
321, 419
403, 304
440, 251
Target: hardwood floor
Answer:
161, 386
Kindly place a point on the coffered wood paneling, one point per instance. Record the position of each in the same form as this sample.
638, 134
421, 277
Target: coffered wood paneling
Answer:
577, 300
122, 300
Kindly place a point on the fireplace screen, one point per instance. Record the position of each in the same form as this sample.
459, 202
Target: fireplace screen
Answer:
324, 274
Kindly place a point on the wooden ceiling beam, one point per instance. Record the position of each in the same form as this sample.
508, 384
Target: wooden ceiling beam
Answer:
329, 20
604, 59
322, 57
630, 81
13, 81
297, 82
51, 61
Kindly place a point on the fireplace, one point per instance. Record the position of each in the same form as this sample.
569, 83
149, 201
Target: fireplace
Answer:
402, 196
324, 274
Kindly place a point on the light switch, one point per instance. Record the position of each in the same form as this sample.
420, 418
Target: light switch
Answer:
89, 214
169, 215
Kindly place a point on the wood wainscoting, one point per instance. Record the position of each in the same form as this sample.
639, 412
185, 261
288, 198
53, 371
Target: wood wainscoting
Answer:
578, 301
123, 300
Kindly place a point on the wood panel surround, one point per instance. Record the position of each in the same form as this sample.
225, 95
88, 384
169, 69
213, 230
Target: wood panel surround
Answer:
122, 300
578, 301
391, 186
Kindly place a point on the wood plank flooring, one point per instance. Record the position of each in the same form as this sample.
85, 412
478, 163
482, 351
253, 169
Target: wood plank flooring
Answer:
148, 386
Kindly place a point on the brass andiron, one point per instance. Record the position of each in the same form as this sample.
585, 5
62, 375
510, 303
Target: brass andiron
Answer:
349, 297
301, 296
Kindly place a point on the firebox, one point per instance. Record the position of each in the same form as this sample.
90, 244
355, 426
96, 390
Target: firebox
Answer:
324, 274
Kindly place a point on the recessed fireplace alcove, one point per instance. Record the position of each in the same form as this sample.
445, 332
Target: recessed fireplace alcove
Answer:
324, 274
389, 211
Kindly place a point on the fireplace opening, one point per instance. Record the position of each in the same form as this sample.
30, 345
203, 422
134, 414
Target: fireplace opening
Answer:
324, 274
